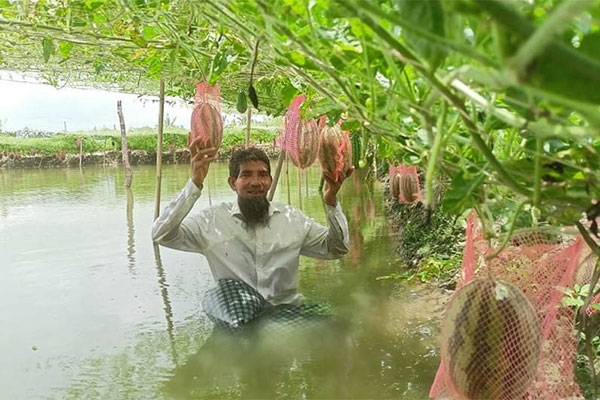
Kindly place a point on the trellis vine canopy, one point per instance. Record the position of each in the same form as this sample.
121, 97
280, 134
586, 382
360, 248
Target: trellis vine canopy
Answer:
494, 98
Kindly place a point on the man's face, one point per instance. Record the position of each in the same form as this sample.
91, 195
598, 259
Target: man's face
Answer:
253, 181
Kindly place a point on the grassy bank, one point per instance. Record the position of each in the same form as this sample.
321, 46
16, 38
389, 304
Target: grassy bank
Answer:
144, 139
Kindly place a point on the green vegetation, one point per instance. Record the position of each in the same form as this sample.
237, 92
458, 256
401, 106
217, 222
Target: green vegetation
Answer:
137, 139
429, 243
497, 102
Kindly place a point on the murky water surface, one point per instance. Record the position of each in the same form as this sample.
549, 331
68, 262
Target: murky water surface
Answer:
90, 310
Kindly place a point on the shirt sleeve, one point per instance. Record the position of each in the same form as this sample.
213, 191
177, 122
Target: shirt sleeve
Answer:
174, 228
327, 243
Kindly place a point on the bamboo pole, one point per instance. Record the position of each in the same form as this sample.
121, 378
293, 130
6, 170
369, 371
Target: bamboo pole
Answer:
276, 176
159, 149
130, 232
164, 292
287, 175
306, 182
124, 146
80, 145
248, 125
299, 188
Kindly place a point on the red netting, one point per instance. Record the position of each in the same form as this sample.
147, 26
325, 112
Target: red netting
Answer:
206, 123
335, 153
540, 266
206, 93
404, 184
299, 139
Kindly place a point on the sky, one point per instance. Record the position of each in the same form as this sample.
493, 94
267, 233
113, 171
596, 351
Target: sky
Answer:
26, 103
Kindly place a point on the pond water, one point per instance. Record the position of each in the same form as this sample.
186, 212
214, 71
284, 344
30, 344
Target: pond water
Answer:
90, 309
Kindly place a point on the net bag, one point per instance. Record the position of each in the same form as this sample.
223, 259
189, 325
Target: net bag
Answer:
299, 139
490, 341
404, 184
206, 123
335, 153
539, 267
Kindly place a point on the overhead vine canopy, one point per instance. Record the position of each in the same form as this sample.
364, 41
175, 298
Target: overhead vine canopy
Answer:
492, 97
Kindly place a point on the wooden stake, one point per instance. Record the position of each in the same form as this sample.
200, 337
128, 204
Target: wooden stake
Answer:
159, 149
287, 175
124, 146
306, 182
299, 188
276, 176
248, 124
80, 143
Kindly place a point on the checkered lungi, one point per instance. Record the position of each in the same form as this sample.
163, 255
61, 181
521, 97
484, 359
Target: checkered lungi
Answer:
234, 306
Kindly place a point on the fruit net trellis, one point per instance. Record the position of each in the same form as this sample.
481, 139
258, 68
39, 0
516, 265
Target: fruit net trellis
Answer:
299, 139
541, 267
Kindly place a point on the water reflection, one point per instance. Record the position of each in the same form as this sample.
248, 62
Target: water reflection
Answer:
162, 283
99, 328
268, 361
130, 232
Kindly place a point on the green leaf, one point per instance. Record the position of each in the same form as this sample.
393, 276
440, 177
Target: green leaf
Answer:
297, 58
65, 49
590, 45
359, 29
462, 193
47, 48
351, 125
137, 38
150, 32
568, 301
429, 15
555, 73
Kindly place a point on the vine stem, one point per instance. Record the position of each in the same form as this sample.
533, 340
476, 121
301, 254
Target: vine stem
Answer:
537, 171
543, 36
564, 55
406, 56
588, 299
434, 156
538, 127
511, 229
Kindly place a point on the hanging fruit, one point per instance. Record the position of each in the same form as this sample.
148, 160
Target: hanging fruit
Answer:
207, 125
491, 341
335, 154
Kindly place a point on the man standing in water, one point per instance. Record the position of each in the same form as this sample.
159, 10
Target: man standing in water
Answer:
251, 242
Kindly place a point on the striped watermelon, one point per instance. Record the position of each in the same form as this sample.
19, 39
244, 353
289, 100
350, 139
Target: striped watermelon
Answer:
491, 341
395, 186
206, 123
335, 154
307, 144
408, 188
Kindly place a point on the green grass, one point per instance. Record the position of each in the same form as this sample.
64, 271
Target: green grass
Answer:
138, 139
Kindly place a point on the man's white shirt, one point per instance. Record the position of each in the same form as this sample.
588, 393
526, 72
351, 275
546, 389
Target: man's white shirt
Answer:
265, 257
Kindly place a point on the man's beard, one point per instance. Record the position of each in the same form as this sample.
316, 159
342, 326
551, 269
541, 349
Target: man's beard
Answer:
255, 210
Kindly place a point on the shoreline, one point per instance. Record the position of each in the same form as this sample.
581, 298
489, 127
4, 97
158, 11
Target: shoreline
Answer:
112, 157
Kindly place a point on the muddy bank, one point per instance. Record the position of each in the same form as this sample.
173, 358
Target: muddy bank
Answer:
136, 157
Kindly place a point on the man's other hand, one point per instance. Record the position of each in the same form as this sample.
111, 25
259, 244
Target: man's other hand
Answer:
332, 186
201, 159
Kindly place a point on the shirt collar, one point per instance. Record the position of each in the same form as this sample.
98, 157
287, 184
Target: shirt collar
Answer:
235, 209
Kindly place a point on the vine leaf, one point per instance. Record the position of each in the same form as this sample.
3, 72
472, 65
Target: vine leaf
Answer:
461, 193
554, 74
64, 49
427, 15
47, 48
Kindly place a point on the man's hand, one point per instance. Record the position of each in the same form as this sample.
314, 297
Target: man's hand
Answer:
201, 159
332, 186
